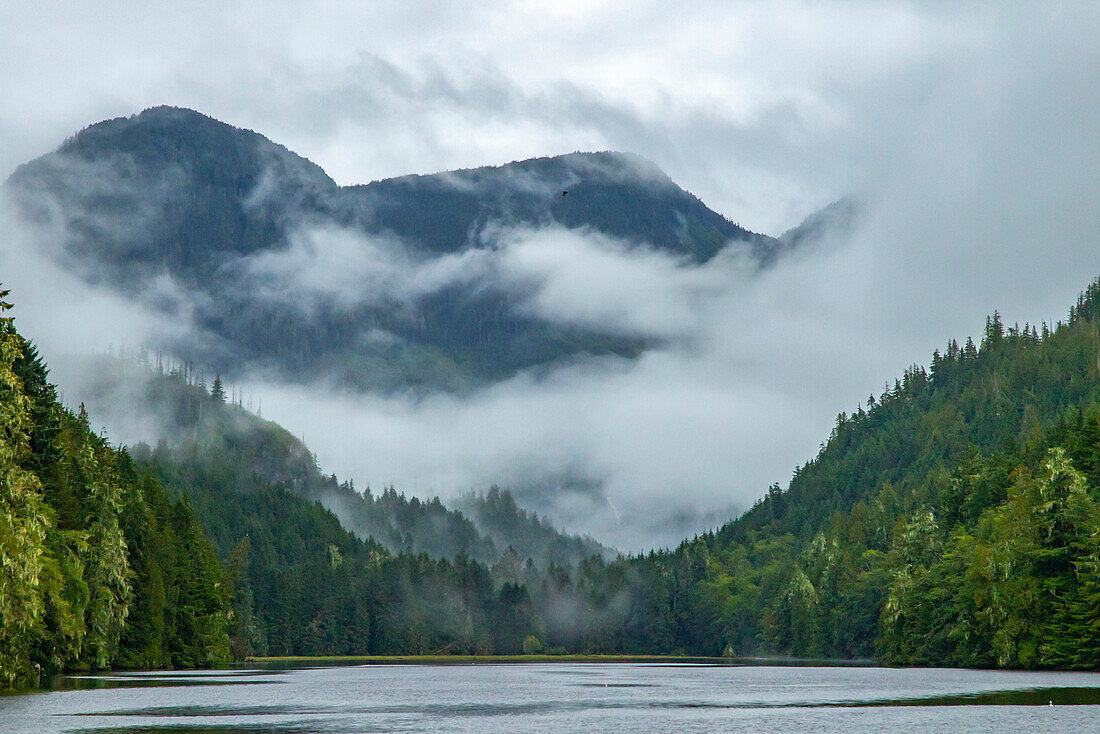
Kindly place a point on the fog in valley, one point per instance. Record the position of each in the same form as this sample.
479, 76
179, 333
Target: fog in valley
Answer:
968, 142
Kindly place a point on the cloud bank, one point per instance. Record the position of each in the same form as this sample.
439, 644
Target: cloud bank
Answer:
968, 129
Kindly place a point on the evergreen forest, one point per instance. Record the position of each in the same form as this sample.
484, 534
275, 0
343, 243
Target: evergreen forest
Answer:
953, 519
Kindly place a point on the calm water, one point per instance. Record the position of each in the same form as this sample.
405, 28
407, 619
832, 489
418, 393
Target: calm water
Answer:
554, 698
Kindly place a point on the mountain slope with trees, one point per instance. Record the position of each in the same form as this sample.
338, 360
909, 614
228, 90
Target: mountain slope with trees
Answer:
196, 427
954, 521
189, 557
951, 522
224, 228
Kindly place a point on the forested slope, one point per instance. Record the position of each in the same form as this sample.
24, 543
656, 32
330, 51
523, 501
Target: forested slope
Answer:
98, 566
112, 561
275, 268
952, 521
206, 429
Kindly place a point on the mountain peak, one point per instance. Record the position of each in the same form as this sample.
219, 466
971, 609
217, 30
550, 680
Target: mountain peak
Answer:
167, 186
173, 196
168, 135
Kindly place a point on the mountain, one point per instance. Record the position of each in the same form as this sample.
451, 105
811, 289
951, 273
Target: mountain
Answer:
199, 433
186, 560
169, 190
404, 283
952, 520
617, 194
837, 219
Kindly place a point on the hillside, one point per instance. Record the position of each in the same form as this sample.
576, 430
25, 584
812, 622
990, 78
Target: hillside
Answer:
953, 521
100, 566
617, 194
180, 558
396, 284
191, 429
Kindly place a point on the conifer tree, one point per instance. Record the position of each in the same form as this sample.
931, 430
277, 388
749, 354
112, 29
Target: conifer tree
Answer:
23, 518
217, 392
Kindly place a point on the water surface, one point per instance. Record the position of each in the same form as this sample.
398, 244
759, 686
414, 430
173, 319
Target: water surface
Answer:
561, 697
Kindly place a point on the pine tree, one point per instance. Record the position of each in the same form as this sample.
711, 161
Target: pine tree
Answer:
217, 392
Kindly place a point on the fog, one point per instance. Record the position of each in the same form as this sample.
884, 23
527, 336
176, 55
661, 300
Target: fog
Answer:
968, 133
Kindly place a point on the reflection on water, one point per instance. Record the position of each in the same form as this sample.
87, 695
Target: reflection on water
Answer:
1070, 696
558, 698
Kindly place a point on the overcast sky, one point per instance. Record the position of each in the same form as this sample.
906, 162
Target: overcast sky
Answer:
766, 110
970, 130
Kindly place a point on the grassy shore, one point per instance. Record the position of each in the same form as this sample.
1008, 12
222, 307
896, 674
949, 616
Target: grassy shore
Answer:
476, 659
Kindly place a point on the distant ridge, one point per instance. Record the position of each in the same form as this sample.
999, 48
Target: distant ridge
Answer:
193, 434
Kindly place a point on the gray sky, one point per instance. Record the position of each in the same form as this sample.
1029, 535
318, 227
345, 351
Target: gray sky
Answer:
763, 109
970, 129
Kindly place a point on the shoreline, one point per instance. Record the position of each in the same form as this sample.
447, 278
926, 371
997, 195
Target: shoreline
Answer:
527, 659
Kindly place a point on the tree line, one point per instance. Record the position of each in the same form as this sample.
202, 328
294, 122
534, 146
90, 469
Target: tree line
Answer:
952, 520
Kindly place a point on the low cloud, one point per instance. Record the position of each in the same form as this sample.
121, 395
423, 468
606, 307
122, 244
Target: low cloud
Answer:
970, 130
589, 280
345, 268
635, 452
554, 274
616, 449
61, 311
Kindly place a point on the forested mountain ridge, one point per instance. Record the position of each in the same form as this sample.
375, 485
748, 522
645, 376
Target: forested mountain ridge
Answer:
103, 562
370, 285
193, 426
170, 189
617, 194
953, 521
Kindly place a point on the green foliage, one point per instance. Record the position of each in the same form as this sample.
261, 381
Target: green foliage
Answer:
497, 515
24, 518
956, 521
199, 429
99, 568
1012, 590
952, 522
532, 645
107, 571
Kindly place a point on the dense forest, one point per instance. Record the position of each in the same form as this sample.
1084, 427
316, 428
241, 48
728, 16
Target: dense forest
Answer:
952, 520
100, 567
212, 431
212, 549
